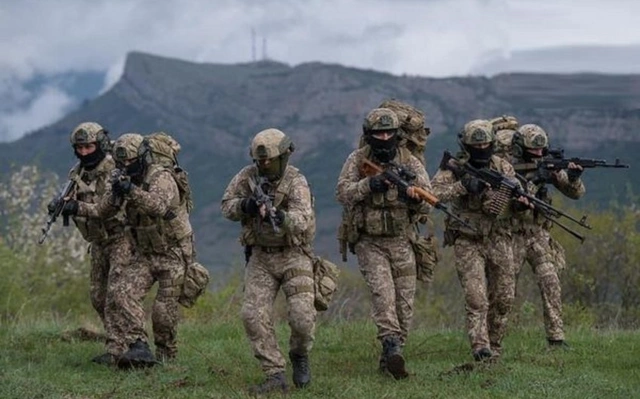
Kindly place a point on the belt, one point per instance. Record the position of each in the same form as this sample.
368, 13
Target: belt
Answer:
272, 250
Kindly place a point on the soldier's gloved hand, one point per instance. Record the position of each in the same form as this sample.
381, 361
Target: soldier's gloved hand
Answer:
52, 205
122, 187
377, 184
574, 173
249, 206
280, 217
472, 184
70, 208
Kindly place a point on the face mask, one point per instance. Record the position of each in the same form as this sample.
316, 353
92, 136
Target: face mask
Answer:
274, 170
90, 161
135, 169
479, 157
383, 150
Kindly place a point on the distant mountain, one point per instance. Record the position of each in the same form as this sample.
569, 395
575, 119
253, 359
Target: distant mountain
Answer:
214, 110
563, 59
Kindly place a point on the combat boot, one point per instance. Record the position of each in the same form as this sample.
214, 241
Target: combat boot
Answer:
273, 383
301, 371
482, 354
392, 355
106, 359
138, 356
558, 344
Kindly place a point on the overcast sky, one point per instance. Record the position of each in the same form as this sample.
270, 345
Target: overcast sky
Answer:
429, 38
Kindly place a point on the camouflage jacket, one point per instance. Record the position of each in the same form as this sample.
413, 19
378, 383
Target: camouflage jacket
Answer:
380, 214
475, 208
91, 185
155, 216
291, 194
527, 173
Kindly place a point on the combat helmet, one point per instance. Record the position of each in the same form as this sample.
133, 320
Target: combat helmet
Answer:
530, 137
90, 132
272, 145
381, 120
126, 148
476, 132
504, 122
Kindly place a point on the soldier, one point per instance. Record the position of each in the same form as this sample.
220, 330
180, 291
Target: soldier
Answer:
277, 232
529, 145
382, 225
160, 229
109, 248
484, 256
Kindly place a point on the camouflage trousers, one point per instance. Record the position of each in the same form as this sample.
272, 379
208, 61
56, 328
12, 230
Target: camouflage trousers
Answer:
106, 261
130, 285
486, 270
533, 247
265, 274
389, 268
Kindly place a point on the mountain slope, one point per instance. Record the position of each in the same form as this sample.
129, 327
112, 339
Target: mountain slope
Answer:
214, 111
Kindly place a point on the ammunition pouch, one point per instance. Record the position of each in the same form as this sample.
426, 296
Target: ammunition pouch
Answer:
426, 254
325, 281
195, 283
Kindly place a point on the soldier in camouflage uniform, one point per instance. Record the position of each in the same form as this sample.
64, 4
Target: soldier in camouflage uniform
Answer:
161, 231
277, 244
381, 225
109, 248
484, 256
529, 145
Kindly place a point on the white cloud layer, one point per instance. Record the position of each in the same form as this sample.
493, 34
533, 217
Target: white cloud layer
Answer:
430, 38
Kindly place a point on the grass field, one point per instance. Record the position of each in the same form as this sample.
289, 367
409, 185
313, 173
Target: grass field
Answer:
42, 360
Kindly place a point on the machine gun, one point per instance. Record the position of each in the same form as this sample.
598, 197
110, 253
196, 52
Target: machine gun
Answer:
507, 189
400, 178
60, 201
263, 198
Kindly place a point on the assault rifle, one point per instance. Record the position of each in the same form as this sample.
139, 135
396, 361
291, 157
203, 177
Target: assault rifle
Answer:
556, 161
263, 199
506, 189
400, 178
117, 175
60, 201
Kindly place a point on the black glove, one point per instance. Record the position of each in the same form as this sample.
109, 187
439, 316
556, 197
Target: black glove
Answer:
249, 206
377, 184
472, 184
51, 206
121, 187
574, 174
70, 208
279, 219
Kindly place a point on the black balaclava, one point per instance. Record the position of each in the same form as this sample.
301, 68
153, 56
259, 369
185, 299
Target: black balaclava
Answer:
90, 161
135, 170
383, 150
479, 157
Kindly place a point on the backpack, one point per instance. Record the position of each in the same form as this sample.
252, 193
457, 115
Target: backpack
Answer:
161, 149
413, 133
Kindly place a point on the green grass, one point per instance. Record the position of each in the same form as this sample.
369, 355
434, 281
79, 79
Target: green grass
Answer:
215, 362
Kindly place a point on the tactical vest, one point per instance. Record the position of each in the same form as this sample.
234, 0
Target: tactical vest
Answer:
91, 185
258, 232
474, 209
528, 171
383, 214
158, 234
